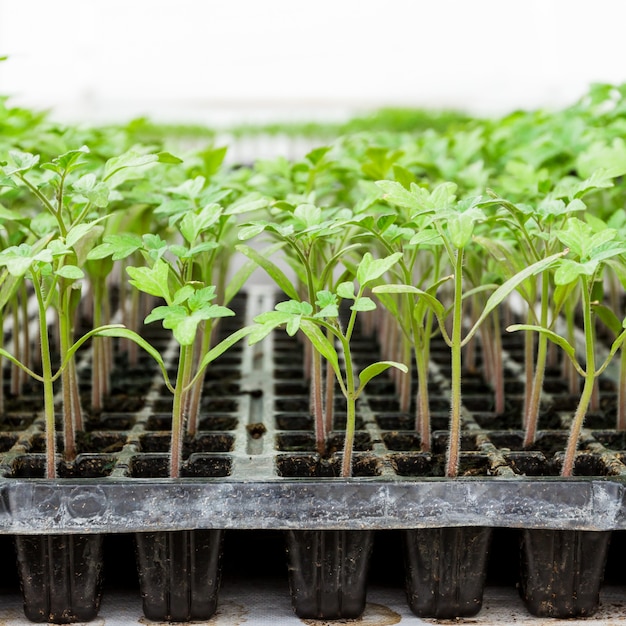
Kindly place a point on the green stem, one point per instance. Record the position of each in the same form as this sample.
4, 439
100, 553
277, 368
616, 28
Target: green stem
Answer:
195, 394
423, 405
65, 333
454, 445
531, 417
590, 377
621, 391
48, 389
178, 416
2, 398
348, 447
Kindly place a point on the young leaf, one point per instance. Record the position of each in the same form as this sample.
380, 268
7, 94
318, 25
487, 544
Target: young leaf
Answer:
371, 269
567, 347
153, 281
71, 272
498, 296
277, 275
363, 304
375, 369
322, 344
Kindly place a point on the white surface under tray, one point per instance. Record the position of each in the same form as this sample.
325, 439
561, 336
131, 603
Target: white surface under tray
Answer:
268, 603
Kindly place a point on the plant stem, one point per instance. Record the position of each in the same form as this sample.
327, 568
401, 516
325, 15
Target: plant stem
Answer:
2, 398
15, 370
178, 417
329, 400
48, 389
590, 376
621, 391
69, 440
454, 443
498, 373
195, 394
531, 416
348, 447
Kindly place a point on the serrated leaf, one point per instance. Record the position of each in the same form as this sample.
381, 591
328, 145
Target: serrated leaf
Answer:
371, 269
21, 162
116, 246
568, 271
295, 307
153, 281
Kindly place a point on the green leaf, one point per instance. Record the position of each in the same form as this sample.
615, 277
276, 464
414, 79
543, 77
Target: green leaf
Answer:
247, 204
432, 302
116, 169
327, 304
19, 259
295, 307
345, 290
117, 246
608, 318
21, 162
220, 348
126, 333
71, 272
363, 304
461, 228
251, 230
308, 215
275, 273
568, 271
426, 237
567, 347
167, 157
322, 344
498, 296
94, 192
153, 281
375, 369
371, 269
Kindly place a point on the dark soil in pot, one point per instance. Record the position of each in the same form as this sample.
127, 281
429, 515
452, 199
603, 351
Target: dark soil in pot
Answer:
305, 465
211, 422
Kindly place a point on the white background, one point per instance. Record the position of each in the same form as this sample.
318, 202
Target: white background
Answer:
253, 60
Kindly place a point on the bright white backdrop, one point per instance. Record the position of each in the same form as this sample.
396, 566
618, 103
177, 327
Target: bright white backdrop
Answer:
248, 60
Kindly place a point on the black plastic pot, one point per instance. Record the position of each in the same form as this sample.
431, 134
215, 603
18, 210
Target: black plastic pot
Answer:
179, 574
562, 571
60, 576
328, 572
446, 570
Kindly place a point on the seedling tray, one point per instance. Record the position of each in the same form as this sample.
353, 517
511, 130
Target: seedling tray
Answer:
251, 466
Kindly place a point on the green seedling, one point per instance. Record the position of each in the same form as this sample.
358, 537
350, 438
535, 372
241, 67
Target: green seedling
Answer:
589, 252
313, 320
